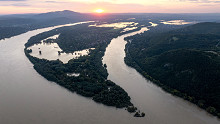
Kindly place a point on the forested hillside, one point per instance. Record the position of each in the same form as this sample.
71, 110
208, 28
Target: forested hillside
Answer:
184, 62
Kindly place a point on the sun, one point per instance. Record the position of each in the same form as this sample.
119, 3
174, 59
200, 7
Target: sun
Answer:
99, 11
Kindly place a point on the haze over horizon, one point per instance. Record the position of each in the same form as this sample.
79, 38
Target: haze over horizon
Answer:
110, 6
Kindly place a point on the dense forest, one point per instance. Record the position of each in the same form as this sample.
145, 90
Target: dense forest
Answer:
92, 81
79, 38
184, 62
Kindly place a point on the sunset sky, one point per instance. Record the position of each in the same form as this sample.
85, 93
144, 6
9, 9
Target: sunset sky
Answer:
110, 6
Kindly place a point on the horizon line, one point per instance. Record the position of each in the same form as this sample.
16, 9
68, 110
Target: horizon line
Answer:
119, 13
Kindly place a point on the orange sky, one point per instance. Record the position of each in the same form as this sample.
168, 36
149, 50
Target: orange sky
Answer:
110, 6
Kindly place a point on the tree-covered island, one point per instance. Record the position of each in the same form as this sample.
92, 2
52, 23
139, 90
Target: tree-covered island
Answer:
92, 81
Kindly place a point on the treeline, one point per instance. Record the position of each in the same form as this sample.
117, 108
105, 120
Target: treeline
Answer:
184, 62
81, 37
7, 32
37, 38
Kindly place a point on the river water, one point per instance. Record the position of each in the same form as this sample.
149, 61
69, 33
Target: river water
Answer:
28, 98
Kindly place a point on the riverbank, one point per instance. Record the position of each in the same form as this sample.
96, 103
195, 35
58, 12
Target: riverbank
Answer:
199, 102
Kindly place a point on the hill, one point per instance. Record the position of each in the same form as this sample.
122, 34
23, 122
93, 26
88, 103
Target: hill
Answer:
184, 62
57, 14
23, 23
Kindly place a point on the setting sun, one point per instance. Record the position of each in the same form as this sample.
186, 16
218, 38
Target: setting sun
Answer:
99, 11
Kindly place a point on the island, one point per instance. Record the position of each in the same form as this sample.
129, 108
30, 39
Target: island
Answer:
85, 74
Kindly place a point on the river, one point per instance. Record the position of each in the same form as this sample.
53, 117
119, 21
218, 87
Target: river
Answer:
28, 98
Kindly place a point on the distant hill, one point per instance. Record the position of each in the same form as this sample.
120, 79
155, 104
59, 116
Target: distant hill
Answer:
17, 24
58, 14
201, 28
31, 19
184, 62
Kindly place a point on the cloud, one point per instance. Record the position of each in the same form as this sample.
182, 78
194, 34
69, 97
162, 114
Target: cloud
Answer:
51, 1
12, 0
201, 1
19, 4
142, 2
16, 4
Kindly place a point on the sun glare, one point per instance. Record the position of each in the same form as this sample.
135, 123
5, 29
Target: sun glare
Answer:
99, 11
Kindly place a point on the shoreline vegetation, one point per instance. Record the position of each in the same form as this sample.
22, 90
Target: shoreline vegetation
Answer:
92, 81
181, 62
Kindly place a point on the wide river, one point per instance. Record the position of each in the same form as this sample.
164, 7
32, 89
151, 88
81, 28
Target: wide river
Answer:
28, 98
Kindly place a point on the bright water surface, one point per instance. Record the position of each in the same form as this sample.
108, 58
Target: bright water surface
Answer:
50, 51
176, 22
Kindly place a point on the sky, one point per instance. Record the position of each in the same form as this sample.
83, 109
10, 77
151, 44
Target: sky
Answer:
110, 6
